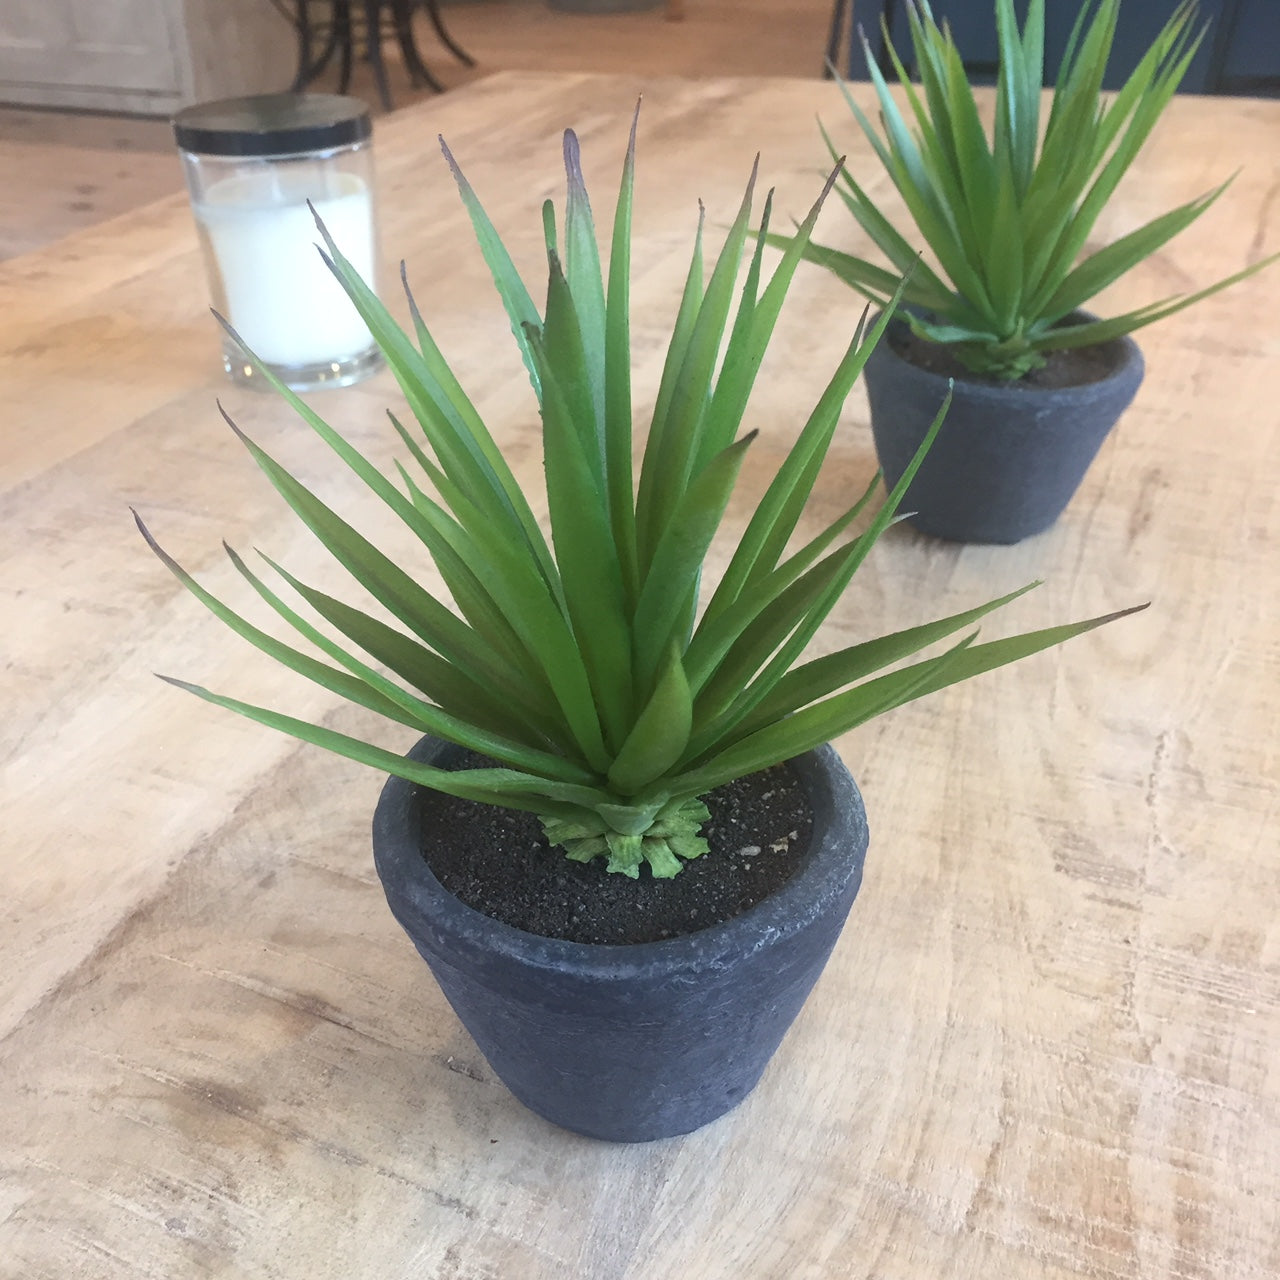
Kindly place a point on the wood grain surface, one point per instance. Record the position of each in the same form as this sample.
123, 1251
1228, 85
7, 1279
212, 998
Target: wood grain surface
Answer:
1047, 1044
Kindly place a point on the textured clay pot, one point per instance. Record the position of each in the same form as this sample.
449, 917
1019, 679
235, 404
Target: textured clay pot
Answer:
1007, 460
629, 1043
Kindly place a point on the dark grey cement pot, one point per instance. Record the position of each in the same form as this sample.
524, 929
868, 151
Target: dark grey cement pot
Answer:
1008, 458
630, 1043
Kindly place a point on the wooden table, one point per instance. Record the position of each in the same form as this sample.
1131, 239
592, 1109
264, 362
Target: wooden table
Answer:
1047, 1043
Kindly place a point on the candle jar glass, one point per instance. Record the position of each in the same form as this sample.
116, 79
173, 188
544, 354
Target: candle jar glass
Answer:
255, 169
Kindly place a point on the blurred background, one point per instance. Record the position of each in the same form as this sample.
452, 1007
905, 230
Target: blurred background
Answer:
86, 87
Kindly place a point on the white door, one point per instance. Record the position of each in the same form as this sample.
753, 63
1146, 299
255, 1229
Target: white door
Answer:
89, 44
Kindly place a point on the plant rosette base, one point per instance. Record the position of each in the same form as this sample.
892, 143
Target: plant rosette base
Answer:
634, 1042
501, 862
1009, 456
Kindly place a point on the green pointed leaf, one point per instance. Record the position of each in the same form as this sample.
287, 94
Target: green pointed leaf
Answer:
677, 353
617, 380
513, 715
675, 444
461, 442
1107, 265
1105, 330
353, 688
511, 289
383, 579
585, 279
814, 725
795, 734
560, 345
506, 787
832, 585
455, 551
660, 734
591, 576
823, 676
777, 514
757, 620
679, 556
757, 316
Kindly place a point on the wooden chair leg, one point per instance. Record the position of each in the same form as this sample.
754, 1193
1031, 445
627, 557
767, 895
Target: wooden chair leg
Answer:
373, 48
835, 38
419, 72
309, 67
303, 24
437, 22
343, 37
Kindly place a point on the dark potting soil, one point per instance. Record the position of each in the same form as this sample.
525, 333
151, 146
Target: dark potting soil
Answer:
498, 862
1076, 367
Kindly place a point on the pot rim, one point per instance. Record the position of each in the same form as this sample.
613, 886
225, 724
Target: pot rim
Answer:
834, 858
1129, 370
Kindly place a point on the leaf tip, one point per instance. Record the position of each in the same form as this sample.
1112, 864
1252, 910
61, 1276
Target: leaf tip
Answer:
230, 421
463, 185
146, 533
574, 179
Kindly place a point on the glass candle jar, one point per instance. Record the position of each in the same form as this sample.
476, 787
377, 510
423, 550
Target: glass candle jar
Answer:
252, 165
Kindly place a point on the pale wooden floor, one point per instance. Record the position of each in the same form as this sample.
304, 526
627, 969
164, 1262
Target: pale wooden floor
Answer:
60, 171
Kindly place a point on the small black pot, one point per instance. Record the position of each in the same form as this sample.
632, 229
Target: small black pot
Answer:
1008, 458
629, 1043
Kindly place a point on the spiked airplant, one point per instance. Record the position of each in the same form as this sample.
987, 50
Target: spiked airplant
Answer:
583, 665
1006, 216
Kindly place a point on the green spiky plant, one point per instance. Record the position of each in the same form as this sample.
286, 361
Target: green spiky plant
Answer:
584, 668
1007, 217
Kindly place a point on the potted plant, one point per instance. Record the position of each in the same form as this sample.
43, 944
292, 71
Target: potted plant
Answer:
1038, 381
590, 726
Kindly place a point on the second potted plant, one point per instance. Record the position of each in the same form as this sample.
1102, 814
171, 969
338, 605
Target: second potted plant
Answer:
623, 845
998, 310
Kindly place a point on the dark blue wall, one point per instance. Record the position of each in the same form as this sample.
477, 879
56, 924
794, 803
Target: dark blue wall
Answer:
1240, 53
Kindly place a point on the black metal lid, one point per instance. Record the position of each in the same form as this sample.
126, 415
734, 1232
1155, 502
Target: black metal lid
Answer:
270, 124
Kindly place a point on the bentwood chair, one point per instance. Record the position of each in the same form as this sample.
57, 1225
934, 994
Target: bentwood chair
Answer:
348, 21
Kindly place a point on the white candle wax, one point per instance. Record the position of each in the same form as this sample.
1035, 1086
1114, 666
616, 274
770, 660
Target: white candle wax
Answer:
278, 294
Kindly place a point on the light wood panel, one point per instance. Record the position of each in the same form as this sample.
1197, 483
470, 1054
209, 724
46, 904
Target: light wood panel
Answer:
1045, 1047
61, 172
145, 56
